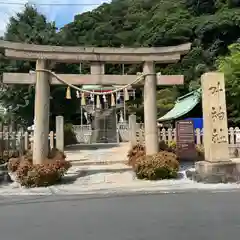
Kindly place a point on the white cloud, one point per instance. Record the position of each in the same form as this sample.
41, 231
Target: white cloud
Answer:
65, 13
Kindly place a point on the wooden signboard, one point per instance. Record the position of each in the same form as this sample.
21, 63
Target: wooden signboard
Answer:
185, 140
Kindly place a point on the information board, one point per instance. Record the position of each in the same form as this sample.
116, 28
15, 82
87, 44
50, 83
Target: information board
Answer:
185, 140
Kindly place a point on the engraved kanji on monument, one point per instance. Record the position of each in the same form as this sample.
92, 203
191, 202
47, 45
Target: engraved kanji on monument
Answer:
215, 136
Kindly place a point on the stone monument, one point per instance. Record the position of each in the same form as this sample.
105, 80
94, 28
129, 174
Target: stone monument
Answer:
217, 167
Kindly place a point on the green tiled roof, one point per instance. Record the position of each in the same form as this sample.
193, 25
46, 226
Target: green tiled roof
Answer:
183, 105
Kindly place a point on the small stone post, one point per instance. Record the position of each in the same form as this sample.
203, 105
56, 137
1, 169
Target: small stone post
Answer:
150, 109
41, 111
132, 130
60, 133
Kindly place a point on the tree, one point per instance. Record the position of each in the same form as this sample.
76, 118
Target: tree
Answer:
199, 7
210, 25
233, 3
165, 101
31, 27
230, 66
161, 23
166, 98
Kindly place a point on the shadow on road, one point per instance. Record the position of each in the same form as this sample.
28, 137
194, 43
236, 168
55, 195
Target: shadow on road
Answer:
69, 179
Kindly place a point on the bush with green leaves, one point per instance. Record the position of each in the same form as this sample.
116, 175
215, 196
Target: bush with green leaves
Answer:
200, 152
69, 135
169, 147
163, 165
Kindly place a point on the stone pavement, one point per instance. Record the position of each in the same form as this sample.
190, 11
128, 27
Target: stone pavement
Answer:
101, 156
114, 179
88, 176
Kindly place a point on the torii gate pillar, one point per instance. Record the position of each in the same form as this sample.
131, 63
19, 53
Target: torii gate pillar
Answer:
150, 109
41, 112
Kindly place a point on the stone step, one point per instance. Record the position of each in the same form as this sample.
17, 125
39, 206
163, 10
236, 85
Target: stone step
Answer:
84, 163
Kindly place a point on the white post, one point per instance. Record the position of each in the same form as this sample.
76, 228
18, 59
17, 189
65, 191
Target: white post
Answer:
132, 130
60, 133
26, 141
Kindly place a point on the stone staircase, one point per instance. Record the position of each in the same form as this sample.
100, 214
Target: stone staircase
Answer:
105, 126
89, 108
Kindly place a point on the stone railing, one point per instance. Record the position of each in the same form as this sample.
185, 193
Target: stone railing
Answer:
21, 140
83, 134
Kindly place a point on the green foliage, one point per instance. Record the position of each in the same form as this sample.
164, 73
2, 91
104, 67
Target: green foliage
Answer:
230, 66
161, 23
211, 26
199, 7
31, 27
233, 3
200, 152
69, 135
166, 99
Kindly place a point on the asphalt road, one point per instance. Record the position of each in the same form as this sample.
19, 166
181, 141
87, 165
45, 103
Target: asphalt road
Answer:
142, 217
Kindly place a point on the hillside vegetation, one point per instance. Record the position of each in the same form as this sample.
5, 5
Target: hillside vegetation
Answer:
211, 26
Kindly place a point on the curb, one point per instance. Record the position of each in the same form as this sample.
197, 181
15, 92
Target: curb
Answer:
104, 192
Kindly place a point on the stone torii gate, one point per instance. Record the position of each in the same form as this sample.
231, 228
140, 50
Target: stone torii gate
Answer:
44, 55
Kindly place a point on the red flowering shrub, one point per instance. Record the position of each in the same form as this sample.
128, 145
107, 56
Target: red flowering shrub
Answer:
8, 154
134, 153
13, 164
39, 175
163, 165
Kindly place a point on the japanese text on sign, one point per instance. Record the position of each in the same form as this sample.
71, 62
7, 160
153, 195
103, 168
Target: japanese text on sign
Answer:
216, 89
218, 137
217, 114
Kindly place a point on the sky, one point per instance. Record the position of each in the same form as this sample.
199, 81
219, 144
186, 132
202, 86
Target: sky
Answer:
60, 14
